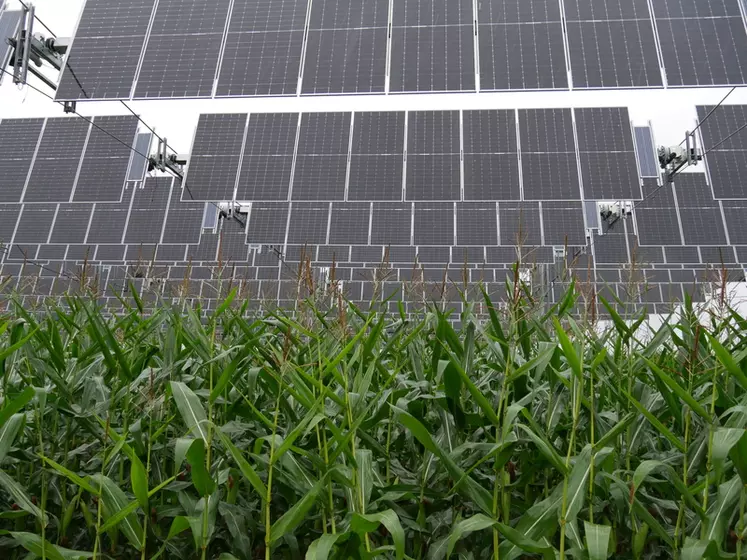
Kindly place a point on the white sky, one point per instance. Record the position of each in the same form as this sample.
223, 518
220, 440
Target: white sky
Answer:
672, 112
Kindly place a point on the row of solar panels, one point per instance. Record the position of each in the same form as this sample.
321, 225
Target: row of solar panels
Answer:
487, 155
223, 48
68, 159
653, 290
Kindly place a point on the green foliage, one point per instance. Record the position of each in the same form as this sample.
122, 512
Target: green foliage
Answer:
354, 434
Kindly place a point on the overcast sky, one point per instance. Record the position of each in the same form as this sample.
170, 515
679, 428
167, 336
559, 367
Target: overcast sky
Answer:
671, 111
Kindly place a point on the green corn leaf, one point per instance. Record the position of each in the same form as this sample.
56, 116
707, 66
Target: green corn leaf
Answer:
308, 422
480, 522
679, 391
21, 497
178, 526
677, 442
227, 375
699, 550
647, 467
723, 356
200, 475
480, 399
724, 440
321, 547
364, 459
41, 548
16, 405
547, 450
138, 475
722, 510
295, 515
568, 349
616, 430
578, 484
224, 305
469, 488
190, 409
114, 501
368, 523
738, 455
649, 522
246, 469
597, 540
70, 475
5, 352
9, 432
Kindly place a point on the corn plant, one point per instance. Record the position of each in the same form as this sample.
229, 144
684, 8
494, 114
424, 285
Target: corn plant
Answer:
357, 433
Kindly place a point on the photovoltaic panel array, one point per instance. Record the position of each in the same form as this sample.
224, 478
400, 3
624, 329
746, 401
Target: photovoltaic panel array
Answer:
419, 156
521, 45
432, 46
702, 43
356, 206
607, 154
612, 44
548, 155
65, 159
9, 20
726, 159
175, 48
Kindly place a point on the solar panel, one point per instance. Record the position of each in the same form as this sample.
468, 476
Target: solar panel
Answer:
183, 220
35, 223
391, 223
702, 43
169, 253
734, 212
612, 44
434, 224
347, 47
232, 246
108, 222
548, 155
350, 223
656, 217
321, 163
182, 51
477, 224
109, 35
433, 161
267, 223
726, 159
214, 162
309, 224
138, 163
702, 222
149, 203
607, 152
519, 224
71, 223
611, 248
262, 54
563, 224
106, 160
9, 214
9, 20
267, 163
432, 46
18, 141
648, 165
58, 160
521, 45
491, 160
